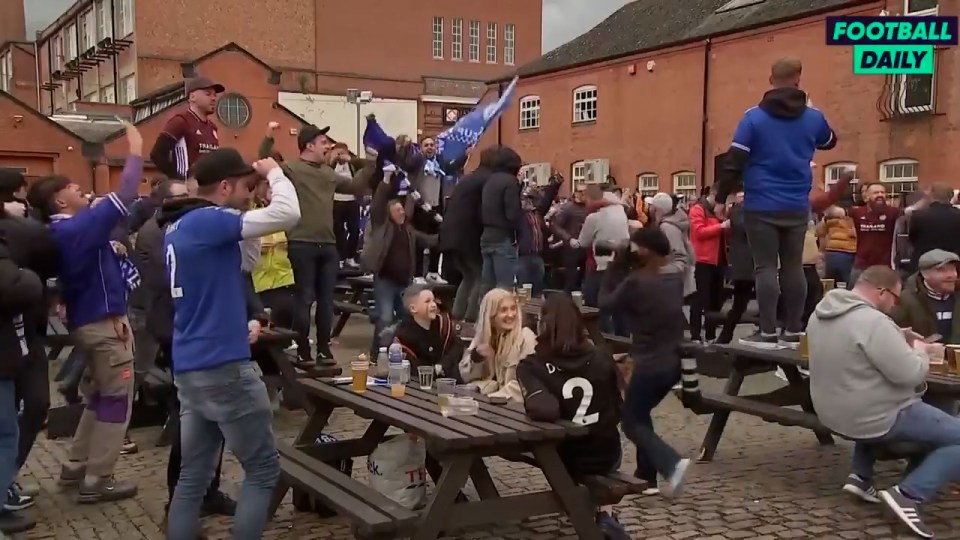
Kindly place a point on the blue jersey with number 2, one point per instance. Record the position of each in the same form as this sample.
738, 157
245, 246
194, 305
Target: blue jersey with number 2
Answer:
210, 314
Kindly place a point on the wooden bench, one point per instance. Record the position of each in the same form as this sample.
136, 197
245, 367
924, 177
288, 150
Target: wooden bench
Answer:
604, 489
720, 317
372, 514
58, 338
617, 344
711, 402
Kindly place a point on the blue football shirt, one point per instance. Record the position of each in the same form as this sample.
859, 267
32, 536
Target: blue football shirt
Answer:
203, 260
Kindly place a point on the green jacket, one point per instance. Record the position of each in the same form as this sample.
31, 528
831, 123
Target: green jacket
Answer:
316, 184
914, 312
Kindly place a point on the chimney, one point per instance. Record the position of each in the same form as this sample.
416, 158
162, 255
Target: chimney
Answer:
13, 24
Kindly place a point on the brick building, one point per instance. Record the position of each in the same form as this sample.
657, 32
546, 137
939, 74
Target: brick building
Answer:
652, 95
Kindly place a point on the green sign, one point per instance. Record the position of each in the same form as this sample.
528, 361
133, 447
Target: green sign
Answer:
893, 59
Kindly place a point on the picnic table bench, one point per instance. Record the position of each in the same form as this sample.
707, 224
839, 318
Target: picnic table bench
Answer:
58, 337
459, 443
778, 406
272, 346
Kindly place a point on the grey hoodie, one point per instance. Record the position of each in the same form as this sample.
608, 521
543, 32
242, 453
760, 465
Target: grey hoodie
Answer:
676, 227
608, 225
862, 371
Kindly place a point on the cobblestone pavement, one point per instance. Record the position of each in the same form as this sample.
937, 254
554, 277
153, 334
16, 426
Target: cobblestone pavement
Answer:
767, 482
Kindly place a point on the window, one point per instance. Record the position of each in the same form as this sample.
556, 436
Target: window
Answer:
104, 19
474, 41
6, 70
685, 183
128, 89
530, 112
832, 173
578, 174
88, 31
438, 38
648, 184
124, 17
92, 97
915, 93
457, 51
585, 104
107, 95
57, 53
492, 43
233, 110
509, 44
70, 51
899, 176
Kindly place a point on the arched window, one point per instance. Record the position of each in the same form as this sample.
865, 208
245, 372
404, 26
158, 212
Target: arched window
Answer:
585, 104
648, 184
900, 176
685, 183
578, 174
832, 172
530, 112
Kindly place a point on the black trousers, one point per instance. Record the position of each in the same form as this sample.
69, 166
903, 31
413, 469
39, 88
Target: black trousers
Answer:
176, 457
742, 294
708, 298
346, 227
32, 386
574, 267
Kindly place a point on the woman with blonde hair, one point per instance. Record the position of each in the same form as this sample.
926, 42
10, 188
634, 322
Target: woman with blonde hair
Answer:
499, 343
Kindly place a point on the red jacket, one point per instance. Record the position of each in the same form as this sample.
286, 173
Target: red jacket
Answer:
705, 234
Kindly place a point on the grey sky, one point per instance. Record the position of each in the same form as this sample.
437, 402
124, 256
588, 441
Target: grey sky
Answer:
563, 20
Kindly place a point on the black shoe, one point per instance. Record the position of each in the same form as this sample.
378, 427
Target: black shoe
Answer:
325, 357
611, 527
906, 510
862, 489
761, 341
13, 523
219, 504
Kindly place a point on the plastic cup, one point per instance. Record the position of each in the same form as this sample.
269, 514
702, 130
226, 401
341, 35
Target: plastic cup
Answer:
577, 297
425, 375
395, 377
446, 387
804, 348
359, 371
466, 391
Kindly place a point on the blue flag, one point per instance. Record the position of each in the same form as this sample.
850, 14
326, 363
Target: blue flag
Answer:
453, 143
375, 138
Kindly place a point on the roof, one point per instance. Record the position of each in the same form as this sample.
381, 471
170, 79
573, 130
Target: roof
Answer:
650, 25
88, 128
274, 75
34, 112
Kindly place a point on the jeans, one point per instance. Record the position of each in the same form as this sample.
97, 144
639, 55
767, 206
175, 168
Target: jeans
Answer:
530, 271
777, 237
925, 424
230, 400
315, 269
9, 433
644, 392
837, 265
610, 322
466, 304
388, 303
707, 299
32, 388
499, 265
742, 294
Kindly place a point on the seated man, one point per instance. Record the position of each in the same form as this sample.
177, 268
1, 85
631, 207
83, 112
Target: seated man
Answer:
866, 382
928, 305
429, 338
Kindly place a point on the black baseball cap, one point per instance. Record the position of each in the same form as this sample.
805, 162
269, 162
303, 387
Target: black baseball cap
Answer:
219, 165
308, 133
202, 83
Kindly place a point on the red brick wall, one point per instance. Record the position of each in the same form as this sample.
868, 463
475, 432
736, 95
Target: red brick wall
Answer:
650, 122
23, 84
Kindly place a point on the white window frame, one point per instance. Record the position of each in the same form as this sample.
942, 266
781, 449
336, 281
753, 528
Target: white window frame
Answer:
903, 81
89, 27
70, 51
578, 174
124, 17
509, 44
128, 89
456, 47
92, 97
6, 70
899, 185
104, 20
438, 38
652, 187
583, 96
492, 42
57, 53
529, 112
832, 172
680, 184
106, 94
473, 50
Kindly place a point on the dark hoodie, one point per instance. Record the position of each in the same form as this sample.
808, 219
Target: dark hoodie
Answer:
500, 210
556, 387
440, 345
771, 153
21, 301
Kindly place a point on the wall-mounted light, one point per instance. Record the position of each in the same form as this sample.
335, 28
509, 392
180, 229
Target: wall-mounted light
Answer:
17, 118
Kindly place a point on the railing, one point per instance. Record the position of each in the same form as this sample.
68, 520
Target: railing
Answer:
910, 95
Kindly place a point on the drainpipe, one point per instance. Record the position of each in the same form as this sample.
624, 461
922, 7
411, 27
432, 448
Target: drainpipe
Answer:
707, 49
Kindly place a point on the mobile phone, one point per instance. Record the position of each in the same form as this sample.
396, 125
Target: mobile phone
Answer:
932, 339
498, 400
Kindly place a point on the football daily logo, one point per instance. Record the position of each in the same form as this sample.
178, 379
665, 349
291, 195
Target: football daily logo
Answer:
892, 45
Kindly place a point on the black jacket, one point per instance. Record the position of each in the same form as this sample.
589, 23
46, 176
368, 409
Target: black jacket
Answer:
154, 281
31, 246
21, 301
934, 227
556, 386
738, 249
440, 345
500, 209
461, 228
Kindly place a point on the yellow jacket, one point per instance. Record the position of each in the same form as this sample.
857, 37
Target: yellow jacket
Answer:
838, 234
273, 270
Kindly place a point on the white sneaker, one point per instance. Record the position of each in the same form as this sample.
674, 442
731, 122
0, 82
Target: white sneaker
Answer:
434, 277
675, 482
351, 263
419, 281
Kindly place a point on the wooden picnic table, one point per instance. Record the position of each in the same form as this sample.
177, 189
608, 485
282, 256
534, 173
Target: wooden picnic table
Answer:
776, 406
361, 289
459, 443
272, 346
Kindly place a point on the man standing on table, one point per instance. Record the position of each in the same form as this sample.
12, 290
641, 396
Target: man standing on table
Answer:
220, 389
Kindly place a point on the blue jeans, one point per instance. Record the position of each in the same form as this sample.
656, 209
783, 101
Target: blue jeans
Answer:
837, 265
499, 265
388, 304
644, 392
610, 322
9, 433
924, 424
232, 400
530, 271
315, 270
